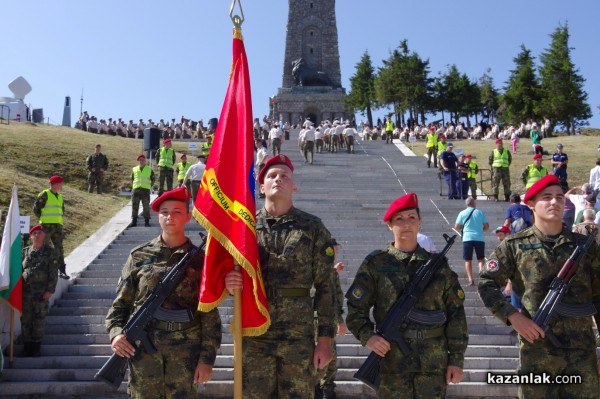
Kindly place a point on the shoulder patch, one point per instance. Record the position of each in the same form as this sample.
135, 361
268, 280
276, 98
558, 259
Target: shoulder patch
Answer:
492, 265
329, 251
460, 294
357, 292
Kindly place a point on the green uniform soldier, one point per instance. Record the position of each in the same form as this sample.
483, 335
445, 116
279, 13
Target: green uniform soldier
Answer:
186, 351
142, 179
531, 259
500, 160
49, 207
166, 161
533, 172
325, 388
182, 168
97, 164
295, 254
438, 348
40, 267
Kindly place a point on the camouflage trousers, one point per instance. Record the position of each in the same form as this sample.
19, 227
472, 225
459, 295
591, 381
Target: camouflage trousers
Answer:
432, 154
554, 361
504, 175
276, 145
412, 386
473, 187
54, 236
143, 195
33, 316
278, 368
165, 174
308, 151
168, 372
95, 181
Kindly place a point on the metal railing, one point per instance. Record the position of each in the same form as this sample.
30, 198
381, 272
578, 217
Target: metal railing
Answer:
484, 183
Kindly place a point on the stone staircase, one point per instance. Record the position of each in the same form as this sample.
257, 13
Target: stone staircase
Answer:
350, 193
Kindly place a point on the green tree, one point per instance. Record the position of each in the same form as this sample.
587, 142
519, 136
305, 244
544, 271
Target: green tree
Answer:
522, 91
488, 96
362, 88
564, 101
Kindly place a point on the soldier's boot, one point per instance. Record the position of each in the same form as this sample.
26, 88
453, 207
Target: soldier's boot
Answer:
147, 223
507, 197
133, 223
429, 164
36, 349
26, 349
318, 392
62, 273
496, 198
329, 393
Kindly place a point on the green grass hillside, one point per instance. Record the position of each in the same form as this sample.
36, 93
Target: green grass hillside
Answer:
30, 154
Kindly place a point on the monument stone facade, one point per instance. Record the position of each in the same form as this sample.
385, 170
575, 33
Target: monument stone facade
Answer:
311, 85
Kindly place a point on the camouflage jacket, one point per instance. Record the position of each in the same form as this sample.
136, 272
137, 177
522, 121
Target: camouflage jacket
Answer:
40, 269
98, 161
296, 252
531, 260
379, 282
146, 266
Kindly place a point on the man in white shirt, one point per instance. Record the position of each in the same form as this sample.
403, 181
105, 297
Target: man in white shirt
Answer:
595, 178
275, 138
194, 174
349, 133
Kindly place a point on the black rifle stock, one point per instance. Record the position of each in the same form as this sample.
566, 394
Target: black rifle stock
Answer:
390, 328
113, 371
551, 305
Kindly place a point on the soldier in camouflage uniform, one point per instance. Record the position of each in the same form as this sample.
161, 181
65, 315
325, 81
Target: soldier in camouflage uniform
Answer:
49, 207
40, 267
295, 254
325, 388
437, 347
186, 351
531, 259
97, 164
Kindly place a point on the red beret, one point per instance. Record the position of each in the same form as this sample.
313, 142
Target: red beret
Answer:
183, 156
442, 136
537, 156
166, 141
408, 201
56, 179
503, 229
179, 194
546, 181
140, 156
468, 156
37, 227
276, 160
498, 141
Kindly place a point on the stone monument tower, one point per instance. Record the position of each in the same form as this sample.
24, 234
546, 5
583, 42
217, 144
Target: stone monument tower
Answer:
311, 86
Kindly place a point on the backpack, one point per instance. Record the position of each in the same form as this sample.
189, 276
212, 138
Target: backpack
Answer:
519, 223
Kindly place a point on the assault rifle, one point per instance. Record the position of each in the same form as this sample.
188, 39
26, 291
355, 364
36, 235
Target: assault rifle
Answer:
552, 304
402, 311
114, 369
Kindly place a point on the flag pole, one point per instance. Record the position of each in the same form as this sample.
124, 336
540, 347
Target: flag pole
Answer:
11, 348
237, 293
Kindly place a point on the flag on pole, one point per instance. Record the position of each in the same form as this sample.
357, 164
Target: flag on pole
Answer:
11, 268
225, 205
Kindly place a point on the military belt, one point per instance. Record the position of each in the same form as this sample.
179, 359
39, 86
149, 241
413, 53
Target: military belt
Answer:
424, 334
288, 292
174, 326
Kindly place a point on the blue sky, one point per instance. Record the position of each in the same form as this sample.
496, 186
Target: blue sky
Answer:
163, 59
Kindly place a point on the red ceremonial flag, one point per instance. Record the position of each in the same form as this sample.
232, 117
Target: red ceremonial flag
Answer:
225, 205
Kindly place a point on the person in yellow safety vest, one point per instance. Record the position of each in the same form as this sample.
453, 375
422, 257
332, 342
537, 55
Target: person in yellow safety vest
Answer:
142, 179
166, 160
49, 207
441, 147
534, 172
472, 175
182, 168
432, 147
500, 160
206, 146
389, 130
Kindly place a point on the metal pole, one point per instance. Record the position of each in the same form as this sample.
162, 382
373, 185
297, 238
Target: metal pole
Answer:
81, 106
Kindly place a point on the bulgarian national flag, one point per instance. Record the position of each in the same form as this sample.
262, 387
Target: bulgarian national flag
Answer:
225, 205
11, 268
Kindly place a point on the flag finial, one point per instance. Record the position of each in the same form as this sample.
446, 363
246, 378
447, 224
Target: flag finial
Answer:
236, 19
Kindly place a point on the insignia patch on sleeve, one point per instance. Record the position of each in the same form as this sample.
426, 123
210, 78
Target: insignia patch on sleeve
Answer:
357, 292
329, 251
460, 294
492, 265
